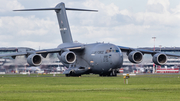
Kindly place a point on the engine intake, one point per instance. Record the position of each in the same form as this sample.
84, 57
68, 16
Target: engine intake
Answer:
135, 57
34, 60
68, 57
159, 59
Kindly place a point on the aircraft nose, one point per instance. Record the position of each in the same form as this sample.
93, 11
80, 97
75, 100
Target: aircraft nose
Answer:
117, 60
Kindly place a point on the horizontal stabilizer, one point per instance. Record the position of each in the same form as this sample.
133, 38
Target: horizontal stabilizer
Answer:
81, 9
38, 9
56, 8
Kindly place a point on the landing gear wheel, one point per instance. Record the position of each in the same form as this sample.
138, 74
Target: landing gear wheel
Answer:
114, 72
67, 75
104, 75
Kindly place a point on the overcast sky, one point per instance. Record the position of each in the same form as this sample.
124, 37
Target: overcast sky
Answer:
130, 23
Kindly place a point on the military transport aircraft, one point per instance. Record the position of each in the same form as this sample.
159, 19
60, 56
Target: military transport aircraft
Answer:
97, 58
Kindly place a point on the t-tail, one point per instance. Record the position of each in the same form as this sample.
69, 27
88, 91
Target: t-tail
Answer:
60, 10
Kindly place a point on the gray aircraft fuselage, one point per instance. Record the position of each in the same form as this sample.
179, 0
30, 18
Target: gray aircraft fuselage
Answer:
99, 58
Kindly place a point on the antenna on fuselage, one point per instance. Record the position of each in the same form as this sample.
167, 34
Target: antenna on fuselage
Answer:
62, 20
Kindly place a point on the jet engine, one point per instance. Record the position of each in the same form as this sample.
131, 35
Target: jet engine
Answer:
34, 60
68, 57
135, 57
159, 59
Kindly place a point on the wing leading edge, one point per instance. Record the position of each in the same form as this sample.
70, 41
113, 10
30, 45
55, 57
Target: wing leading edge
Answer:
128, 50
43, 52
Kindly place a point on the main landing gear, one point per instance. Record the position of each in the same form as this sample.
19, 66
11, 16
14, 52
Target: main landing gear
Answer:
112, 73
72, 74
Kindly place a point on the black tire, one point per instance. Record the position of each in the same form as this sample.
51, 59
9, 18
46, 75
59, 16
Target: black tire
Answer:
67, 75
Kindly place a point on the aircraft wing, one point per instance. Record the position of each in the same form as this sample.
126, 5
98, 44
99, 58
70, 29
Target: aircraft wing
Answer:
128, 49
43, 52
13, 54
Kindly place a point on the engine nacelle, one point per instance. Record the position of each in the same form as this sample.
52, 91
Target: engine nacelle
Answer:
135, 57
68, 57
159, 59
34, 59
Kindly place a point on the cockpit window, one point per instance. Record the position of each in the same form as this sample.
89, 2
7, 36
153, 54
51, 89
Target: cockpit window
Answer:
114, 51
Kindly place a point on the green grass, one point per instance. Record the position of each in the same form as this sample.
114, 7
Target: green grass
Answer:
89, 88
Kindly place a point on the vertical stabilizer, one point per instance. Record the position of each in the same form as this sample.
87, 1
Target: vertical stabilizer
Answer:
62, 19
63, 23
